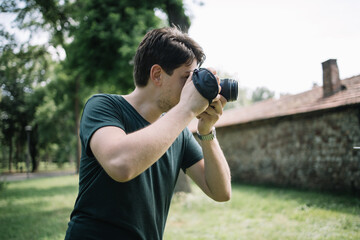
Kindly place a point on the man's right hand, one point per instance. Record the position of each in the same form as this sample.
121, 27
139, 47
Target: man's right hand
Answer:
191, 99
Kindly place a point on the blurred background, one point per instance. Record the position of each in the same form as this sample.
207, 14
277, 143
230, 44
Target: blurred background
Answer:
292, 138
57, 53
278, 44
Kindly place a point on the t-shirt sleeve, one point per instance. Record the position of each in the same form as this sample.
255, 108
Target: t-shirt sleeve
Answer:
193, 152
99, 111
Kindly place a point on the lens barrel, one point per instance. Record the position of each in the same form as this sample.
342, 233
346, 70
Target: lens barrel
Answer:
229, 89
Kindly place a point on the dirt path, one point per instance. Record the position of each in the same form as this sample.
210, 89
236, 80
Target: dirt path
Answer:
10, 177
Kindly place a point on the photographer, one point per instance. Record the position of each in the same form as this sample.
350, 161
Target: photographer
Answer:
132, 152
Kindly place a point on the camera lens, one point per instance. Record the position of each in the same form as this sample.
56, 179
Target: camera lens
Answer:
229, 89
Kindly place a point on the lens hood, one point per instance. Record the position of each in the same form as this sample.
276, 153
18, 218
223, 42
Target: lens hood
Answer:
206, 83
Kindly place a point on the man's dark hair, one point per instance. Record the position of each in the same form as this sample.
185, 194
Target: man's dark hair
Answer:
168, 47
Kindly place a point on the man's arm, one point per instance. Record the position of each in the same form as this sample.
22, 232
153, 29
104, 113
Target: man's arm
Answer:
125, 156
212, 174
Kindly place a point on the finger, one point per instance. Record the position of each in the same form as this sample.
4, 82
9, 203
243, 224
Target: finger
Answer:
216, 100
218, 104
211, 110
223, 101
212, 70
202, 115
217, 109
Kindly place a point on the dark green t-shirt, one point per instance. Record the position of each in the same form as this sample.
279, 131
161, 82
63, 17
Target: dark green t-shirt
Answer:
106, 209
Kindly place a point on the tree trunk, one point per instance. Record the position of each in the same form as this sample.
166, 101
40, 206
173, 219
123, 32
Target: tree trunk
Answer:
176, 15
18, 151
33, 149
3, 159
10, 154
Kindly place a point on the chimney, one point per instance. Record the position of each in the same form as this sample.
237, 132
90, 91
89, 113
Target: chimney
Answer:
331, 79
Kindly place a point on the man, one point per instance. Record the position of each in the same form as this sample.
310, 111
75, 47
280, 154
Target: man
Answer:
132, 152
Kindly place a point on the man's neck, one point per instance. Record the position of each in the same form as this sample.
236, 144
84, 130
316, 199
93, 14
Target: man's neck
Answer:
144, 102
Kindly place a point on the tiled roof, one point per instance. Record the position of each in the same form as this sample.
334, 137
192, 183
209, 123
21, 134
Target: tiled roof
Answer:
305, 102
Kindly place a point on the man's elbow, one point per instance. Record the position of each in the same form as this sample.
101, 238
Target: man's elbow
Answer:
223, 197
120, 172
122, 178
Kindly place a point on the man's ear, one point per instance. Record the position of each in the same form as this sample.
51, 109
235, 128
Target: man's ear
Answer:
155, 74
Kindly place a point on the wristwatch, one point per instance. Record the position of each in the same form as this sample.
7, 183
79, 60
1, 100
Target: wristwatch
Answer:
207, 137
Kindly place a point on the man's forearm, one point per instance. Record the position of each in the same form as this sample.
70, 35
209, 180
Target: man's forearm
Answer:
217, 172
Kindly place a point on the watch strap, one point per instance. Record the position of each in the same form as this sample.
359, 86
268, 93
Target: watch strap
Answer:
207, 137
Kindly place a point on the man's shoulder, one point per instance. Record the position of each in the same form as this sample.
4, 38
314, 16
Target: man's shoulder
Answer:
108, 96
104, 100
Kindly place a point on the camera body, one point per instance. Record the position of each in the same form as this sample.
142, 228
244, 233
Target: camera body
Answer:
207, 84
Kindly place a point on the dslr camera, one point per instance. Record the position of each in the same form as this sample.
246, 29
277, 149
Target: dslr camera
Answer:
207, 84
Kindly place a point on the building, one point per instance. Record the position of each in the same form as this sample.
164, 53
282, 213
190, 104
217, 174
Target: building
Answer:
306, 140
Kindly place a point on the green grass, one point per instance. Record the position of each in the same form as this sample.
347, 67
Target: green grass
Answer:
264, 213
37, 208
40, 208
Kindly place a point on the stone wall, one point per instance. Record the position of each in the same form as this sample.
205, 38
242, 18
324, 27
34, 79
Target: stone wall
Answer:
311, 151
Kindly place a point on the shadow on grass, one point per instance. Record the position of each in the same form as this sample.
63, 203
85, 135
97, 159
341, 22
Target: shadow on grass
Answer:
339, 202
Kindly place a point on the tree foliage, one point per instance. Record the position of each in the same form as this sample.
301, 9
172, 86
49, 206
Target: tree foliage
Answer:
22, 68
262, 93
107, 35
98, 38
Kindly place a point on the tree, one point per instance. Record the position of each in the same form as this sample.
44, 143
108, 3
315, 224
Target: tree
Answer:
176, 14
262, 93
22, 67
100, 38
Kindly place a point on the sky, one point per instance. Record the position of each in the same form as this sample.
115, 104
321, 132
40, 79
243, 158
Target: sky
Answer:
278, 44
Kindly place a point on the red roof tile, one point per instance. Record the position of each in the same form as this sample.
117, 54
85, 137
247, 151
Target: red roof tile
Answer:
308, 101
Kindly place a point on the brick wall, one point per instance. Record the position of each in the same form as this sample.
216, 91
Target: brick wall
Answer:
312, 151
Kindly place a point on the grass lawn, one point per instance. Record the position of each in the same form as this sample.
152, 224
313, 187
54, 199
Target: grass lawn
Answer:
37, 208
256, 213
40, 208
